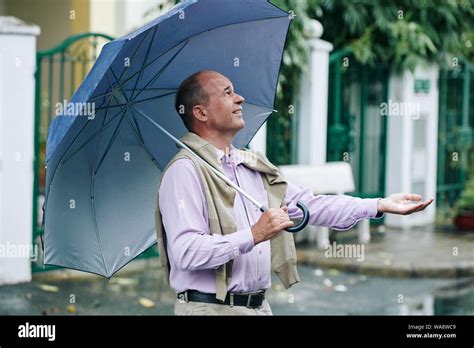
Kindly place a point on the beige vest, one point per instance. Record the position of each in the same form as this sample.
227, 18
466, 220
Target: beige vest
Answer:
220, 201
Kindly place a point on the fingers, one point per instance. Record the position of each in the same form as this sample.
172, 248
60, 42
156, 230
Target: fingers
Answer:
419, 206
284, 221
412, 196
414, 209
284, 214
425, 204
287, 224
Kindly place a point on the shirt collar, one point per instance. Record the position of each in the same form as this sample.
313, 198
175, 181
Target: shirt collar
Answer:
231, 156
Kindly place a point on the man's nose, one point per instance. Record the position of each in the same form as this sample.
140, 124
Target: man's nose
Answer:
239, 99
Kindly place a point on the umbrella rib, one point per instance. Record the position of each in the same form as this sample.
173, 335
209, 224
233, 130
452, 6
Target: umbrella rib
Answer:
137, 134
121, 83
110, 107
99, 96
151, 98
126, 68
96, 170
188, 38
127, 90
112, 93
134, 54
91, 188
111, 87
147, 65
162, 70
60, 160
114, 136
138, 101
261, 107
104, 126
62, 157
144, 60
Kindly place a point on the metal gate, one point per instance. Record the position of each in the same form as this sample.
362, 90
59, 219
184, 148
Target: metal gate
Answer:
59, 71
455, 135
356, 129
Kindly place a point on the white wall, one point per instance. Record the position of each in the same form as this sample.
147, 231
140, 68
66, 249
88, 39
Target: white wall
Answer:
123, 16
103, 16
17, 67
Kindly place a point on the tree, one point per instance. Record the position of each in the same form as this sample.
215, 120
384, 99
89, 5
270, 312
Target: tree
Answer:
402, 33
279, 128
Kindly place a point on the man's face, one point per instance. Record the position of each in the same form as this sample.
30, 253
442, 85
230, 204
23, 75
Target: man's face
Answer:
224, 107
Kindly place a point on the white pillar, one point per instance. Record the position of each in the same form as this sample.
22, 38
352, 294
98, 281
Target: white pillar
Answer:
412, 141
17, 69
312, 132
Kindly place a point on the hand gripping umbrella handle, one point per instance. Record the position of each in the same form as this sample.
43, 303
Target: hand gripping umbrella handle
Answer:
303, 222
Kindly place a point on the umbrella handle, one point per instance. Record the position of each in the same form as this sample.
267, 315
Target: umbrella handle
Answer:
303, 221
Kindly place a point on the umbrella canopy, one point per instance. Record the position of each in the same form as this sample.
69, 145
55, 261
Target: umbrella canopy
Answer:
103, 168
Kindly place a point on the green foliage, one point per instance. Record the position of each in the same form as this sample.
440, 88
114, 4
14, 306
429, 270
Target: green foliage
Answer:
402, 33
466, 201
280, 124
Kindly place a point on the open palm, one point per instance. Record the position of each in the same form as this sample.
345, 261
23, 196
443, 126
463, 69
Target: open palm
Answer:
403, 204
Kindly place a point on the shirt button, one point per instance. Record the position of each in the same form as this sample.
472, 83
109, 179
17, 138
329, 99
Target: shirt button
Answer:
260, 251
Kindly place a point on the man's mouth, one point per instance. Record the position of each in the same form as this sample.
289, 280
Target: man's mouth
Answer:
238, 112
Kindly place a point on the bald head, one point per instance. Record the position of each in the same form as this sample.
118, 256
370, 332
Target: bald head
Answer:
193, 91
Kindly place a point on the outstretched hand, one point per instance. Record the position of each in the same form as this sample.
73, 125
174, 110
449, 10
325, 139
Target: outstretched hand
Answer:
402, 204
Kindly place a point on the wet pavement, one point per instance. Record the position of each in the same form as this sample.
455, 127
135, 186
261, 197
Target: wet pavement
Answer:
321, 292
415, 252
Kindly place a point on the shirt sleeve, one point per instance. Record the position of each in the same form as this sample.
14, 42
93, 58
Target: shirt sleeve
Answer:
191, 246
339, 212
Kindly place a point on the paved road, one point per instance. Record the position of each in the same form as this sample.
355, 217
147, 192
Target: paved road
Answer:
322, 292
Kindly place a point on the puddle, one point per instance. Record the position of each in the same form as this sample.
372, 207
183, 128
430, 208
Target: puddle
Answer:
455, 300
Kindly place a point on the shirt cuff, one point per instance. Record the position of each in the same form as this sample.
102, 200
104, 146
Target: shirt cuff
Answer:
241, 241
370, 208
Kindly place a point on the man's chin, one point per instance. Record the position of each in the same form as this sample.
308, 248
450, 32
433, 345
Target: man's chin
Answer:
236, 129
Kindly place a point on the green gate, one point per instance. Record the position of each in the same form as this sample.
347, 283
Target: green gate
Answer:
455, 135
356, 129
59, 71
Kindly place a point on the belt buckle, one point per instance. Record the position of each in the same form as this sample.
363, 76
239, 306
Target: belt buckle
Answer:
248, 301
183, 297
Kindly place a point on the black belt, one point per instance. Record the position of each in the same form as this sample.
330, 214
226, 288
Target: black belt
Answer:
249, 300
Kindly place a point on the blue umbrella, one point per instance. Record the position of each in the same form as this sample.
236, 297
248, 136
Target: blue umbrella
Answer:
106, 151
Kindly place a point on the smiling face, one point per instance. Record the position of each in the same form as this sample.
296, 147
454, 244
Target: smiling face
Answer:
223, 110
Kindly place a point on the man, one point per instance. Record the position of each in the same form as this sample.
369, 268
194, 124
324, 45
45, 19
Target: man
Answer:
218, 247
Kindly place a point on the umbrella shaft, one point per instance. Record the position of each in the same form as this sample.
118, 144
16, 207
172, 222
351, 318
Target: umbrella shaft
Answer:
214, 170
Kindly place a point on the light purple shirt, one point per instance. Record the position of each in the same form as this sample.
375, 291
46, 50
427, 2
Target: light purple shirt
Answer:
194, 253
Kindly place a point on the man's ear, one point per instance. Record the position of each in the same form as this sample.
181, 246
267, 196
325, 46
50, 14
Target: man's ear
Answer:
199, 113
